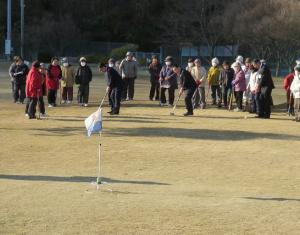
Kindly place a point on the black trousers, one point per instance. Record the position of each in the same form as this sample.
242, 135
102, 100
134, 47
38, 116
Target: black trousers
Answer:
83, 94
52, 96
239, 99
154, 89
19, 92
265, 102
188, 96
171, 92
128, 88
115, 98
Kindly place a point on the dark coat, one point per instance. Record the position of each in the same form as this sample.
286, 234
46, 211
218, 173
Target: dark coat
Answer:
154, 70
186, 80
19, 73
226, 78
84, 75
266, 80
114, 80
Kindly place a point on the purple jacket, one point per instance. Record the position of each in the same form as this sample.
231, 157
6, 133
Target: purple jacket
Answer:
239, 81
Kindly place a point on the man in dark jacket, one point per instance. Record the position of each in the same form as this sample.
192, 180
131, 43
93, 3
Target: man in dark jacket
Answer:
19, 72
265, 85
114, 87
83, 78
188, 87
154, 70
226, 78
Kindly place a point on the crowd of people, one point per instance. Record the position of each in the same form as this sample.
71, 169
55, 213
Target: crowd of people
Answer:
247, 85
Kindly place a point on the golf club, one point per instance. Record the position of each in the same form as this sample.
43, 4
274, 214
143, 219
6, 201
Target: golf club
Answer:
172, 113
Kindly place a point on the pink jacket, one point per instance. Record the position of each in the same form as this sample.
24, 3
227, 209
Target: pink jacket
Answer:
239, 81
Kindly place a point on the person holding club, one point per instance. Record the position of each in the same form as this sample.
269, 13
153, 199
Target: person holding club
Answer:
114, 87
187, 86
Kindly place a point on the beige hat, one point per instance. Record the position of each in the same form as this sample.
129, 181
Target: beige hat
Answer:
82, 59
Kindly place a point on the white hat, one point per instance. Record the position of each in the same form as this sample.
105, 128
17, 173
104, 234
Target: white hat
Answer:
240, 59
236, 64
215, 61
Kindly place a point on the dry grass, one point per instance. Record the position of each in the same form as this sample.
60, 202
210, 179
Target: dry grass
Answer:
214, 173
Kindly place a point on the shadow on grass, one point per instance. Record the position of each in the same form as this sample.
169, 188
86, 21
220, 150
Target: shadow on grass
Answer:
75, 179
63, 131
204, 134
271, 199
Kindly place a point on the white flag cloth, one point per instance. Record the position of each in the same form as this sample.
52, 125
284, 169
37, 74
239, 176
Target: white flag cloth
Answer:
93, 123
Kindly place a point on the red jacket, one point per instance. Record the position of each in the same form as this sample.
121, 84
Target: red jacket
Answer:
288, 81
53, 76
34, 84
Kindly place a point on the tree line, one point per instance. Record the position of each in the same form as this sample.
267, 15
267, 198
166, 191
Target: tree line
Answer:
266, 29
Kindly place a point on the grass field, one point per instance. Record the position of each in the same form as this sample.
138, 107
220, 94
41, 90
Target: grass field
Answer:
218, 172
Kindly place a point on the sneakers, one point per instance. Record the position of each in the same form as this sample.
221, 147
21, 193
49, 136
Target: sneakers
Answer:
26, 115
50, 106
238, 110
69, 102
85, 105
42, 115
63, 101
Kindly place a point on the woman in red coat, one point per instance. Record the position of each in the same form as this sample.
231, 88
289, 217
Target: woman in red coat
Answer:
34, 88
53, 76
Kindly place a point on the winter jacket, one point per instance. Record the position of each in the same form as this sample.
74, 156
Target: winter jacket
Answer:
53, 76
213, 76
247, 72
265, 78
114, 80
253, 81
68, 76
128, 68
295, 87
34, 83
83, 75
167, 72
19, 73
288, 81
186, 80
226, 77
199, 74
154, 70
239, 81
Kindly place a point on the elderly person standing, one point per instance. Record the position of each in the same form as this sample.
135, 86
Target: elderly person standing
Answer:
154, 70
239, 85
168, 81
213, 77
199, 74
128, 69
67, 81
